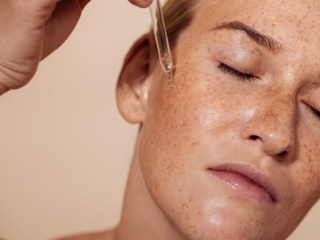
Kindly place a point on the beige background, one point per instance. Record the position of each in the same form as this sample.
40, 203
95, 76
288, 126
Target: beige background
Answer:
64, 149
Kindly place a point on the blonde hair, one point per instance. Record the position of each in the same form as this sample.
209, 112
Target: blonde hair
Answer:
177, 16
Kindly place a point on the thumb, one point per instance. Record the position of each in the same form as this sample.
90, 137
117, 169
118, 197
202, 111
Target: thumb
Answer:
141, 3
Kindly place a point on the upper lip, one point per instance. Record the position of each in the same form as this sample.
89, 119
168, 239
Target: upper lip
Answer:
252, 174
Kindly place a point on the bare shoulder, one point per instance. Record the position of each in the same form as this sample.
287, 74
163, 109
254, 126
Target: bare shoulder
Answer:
105, 235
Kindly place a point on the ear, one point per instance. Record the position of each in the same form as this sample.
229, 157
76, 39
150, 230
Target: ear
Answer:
133, 85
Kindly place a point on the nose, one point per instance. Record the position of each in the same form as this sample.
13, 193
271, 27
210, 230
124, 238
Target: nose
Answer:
273, 128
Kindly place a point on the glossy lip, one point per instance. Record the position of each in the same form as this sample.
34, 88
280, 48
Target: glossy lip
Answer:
250, 173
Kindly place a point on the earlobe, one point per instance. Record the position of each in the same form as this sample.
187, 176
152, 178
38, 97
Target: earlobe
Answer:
132, 87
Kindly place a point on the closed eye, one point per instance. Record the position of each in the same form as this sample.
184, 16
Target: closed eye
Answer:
229, 70
316, 112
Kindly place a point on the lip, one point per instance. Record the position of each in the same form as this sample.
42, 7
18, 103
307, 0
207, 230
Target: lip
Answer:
247, 180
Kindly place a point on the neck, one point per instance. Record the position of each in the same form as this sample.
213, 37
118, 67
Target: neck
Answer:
141, 218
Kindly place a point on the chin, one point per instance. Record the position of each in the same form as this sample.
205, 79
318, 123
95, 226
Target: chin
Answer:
200, 215
225, 225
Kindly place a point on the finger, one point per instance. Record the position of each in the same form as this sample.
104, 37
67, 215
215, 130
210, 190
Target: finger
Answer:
60, 25
83, 3
141, 3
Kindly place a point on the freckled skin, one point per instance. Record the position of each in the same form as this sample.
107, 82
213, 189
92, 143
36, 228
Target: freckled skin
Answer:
209, 118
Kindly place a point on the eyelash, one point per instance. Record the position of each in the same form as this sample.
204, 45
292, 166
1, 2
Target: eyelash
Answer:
229, 70
315, 111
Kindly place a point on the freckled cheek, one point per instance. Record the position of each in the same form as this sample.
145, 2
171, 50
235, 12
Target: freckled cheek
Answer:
307, 169
182, 123
167, 140
304, 174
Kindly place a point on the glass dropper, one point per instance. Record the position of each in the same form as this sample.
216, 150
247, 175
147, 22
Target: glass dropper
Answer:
162, 40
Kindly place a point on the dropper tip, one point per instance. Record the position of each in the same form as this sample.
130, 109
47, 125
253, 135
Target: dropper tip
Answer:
170, 78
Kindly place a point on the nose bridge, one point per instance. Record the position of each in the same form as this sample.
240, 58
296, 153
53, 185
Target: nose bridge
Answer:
273, 124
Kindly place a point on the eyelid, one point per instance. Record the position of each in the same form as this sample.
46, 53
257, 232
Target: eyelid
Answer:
315, 111
311, 104
245, 76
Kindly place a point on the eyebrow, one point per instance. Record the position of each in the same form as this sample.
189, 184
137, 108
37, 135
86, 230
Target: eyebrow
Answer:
263, 40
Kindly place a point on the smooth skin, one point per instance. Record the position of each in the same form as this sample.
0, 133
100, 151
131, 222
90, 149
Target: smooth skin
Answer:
32, 30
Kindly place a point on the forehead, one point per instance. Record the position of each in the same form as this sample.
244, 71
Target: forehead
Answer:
298, 20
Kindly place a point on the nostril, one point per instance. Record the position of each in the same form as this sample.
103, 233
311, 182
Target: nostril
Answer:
254, 137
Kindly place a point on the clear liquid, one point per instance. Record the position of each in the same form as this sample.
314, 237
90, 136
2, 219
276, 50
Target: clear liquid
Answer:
170, 78
167, 66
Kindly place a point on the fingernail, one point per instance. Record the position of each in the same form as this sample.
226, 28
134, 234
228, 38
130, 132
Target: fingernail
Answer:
149, 1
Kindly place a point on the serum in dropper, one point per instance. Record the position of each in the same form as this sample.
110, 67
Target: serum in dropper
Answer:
162, 40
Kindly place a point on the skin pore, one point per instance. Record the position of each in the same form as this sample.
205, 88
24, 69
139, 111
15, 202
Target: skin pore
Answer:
239, 107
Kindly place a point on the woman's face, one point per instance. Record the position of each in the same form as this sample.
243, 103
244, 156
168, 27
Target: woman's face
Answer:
232, 151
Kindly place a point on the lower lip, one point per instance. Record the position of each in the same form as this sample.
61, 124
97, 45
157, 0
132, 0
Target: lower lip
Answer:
244, 186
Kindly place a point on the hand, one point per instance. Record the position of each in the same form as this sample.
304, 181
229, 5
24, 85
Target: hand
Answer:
30, 30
